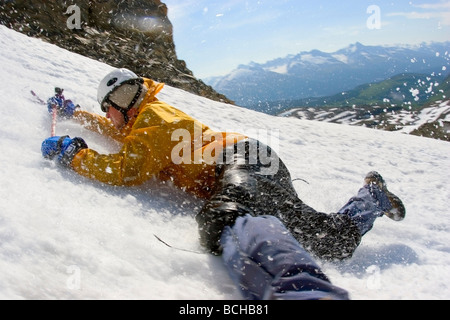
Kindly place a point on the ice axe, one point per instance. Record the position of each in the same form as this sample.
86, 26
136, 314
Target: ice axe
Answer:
59, 92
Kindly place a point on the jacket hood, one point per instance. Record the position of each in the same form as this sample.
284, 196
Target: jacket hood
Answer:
153, 89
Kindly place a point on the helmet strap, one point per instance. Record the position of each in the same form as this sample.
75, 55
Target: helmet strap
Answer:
123, 111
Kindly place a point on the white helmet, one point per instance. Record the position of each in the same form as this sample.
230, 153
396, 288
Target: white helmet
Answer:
112, 81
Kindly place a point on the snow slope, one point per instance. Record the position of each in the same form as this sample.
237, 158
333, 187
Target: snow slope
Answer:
64, 237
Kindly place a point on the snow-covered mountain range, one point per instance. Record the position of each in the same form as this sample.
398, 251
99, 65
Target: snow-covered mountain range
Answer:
316, 73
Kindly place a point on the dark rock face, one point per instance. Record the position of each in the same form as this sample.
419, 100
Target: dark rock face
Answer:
135, 34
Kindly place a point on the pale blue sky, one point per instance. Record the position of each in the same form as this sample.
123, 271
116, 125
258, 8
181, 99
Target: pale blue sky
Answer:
215, 36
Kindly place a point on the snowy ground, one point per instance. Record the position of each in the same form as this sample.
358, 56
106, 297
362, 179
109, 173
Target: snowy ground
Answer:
64, 237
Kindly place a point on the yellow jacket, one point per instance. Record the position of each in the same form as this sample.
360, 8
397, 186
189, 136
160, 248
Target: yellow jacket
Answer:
161, 142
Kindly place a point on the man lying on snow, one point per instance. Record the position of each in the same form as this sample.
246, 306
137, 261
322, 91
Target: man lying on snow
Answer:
252, 215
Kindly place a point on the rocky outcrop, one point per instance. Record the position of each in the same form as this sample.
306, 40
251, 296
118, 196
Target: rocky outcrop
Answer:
135, 34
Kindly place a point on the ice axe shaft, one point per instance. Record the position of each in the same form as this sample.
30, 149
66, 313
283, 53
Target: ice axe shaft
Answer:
54, 116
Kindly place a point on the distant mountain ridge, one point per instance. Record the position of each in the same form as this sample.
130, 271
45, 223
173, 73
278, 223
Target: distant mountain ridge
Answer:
431, 121
408, 91
430, 118
316, 73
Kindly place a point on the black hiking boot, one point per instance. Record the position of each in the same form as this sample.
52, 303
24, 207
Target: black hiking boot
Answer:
398, 211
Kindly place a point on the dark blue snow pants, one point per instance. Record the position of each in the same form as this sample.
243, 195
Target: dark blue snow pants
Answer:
267, 263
